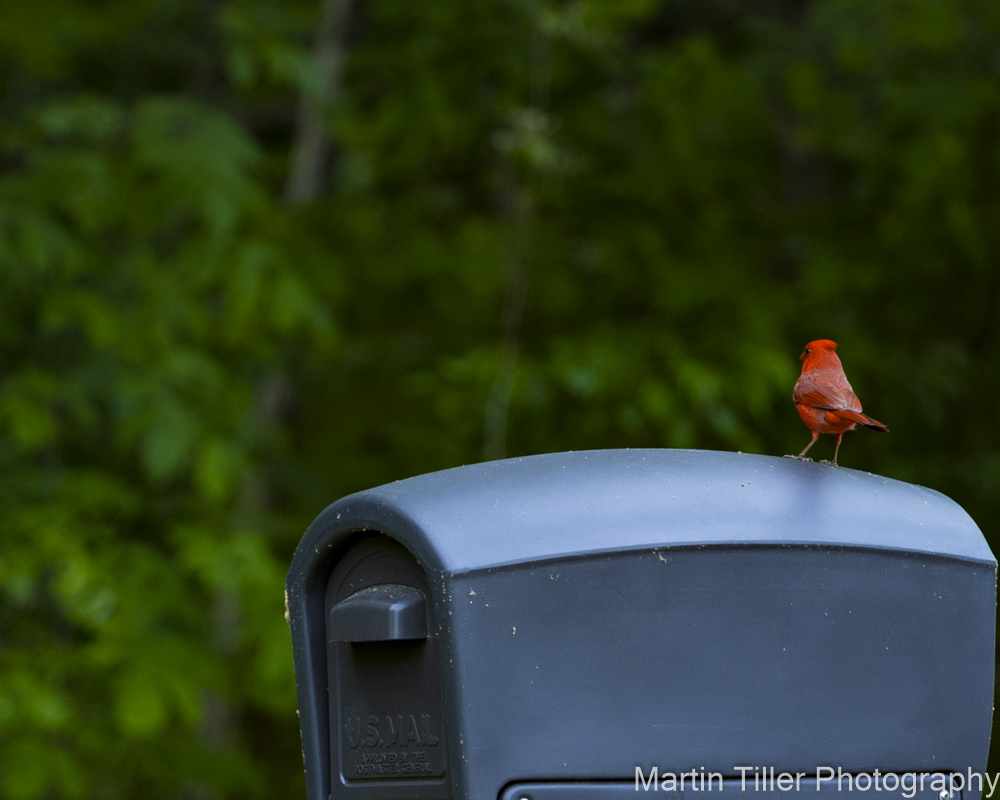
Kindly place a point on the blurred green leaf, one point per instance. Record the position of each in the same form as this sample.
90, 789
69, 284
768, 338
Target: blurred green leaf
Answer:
139, 706
169, 439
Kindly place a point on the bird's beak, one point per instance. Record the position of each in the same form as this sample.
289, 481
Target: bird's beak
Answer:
803, 356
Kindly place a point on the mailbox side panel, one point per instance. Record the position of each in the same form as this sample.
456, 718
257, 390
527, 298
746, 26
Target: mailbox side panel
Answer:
791, 657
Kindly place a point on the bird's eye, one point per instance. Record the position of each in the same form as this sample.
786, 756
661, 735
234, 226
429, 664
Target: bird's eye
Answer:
808, 351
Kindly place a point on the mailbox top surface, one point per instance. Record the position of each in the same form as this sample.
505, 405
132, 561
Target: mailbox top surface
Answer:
567, 504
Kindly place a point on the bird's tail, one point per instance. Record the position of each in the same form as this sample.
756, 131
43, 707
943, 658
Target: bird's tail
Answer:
863, 419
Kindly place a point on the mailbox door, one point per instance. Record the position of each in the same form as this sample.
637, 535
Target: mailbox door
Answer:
386, 737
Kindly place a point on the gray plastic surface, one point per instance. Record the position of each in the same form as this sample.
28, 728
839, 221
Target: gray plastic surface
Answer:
563, 504
909, 786
602, 610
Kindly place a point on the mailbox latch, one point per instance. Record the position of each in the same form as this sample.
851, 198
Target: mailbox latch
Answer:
382, 613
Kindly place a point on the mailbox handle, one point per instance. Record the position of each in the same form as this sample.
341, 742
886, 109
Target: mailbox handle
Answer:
387, 612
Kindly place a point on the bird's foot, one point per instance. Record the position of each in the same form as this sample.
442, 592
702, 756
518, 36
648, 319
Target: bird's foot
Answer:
829, 463
798, 458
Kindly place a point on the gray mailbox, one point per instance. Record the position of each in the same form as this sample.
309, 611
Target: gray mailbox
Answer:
596, 624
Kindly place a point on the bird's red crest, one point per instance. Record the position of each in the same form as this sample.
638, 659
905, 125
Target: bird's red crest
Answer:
818, 346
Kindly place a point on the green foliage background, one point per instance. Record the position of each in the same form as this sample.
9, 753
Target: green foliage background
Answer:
546, 226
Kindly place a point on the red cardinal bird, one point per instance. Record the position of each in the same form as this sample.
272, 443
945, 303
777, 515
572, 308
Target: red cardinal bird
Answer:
825, 400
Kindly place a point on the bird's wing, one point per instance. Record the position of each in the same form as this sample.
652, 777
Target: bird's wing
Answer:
819, 400
830, 392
